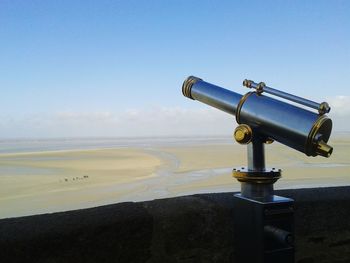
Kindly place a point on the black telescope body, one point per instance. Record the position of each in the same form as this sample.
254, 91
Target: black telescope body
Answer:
296, 127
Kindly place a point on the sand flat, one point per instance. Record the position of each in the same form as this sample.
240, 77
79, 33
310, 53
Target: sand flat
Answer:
68, 179
201, 157
32, 183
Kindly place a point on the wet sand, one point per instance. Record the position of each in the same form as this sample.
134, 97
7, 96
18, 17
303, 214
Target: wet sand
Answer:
32, 183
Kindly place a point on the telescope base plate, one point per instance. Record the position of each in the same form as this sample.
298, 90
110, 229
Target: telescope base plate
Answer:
267, 176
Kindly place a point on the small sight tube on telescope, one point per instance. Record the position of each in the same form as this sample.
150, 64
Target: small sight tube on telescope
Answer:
298, 128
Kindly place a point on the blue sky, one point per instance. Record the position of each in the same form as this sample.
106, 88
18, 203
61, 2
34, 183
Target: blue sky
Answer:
115, 68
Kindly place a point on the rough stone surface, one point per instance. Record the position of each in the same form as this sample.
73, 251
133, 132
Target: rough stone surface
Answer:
187, 229
115, 233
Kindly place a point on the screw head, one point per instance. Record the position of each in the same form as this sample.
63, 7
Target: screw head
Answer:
324, 108
243, 134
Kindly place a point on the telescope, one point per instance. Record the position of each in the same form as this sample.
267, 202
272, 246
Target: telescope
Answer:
263, 220
298, 128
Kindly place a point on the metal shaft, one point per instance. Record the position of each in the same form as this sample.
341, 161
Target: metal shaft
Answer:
256, 155
257, 191
291, 97
256, 163
261, 87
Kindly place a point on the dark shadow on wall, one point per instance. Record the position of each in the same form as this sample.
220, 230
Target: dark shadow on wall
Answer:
196, 228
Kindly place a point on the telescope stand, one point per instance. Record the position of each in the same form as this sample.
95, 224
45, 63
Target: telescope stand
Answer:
264, 224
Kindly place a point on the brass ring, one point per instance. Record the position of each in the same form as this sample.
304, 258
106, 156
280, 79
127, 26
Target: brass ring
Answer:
258, 177
313, 132
187, 86
240, 104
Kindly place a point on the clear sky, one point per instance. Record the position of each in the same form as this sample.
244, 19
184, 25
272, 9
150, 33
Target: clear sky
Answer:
115, 68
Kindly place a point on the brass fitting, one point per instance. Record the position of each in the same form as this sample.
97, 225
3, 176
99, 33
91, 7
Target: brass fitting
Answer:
260, 88
187, 86
318, 137
243, 134
268, 176
269, 140
247, 83
324, 149
324, 108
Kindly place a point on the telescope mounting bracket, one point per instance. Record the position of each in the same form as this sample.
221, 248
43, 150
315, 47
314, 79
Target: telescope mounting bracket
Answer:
256, 180
264, 221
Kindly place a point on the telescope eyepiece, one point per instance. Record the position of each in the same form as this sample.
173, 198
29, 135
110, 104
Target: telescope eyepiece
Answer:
324, 149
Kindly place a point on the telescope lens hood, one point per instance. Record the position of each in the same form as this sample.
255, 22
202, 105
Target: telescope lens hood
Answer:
187, 86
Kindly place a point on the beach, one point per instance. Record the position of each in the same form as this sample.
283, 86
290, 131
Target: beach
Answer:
49, 180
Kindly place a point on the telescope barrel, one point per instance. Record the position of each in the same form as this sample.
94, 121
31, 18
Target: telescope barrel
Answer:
215, 96
293, 126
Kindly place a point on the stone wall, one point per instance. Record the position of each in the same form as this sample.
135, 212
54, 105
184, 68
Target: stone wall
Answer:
196, 228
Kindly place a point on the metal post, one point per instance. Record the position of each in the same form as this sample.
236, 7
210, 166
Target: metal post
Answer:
256, 155
263, 221
256, 163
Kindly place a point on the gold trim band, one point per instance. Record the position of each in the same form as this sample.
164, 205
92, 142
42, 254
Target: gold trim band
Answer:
187, 86
310, 147
240, 105
257, 177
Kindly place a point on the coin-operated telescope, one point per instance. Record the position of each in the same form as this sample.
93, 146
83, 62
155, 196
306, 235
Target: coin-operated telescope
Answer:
264, 221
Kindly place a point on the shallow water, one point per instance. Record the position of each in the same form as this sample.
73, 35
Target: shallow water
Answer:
25, 170
43, 145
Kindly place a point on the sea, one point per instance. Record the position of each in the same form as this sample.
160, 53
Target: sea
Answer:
27, 145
